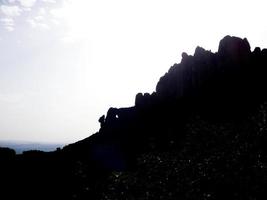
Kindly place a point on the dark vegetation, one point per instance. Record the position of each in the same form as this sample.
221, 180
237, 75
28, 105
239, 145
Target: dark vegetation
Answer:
201, 135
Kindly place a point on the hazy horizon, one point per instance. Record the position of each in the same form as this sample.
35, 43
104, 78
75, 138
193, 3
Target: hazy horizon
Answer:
65, 62
21, 146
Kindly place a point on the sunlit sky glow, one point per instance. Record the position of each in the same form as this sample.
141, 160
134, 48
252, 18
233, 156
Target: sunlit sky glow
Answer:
63, 63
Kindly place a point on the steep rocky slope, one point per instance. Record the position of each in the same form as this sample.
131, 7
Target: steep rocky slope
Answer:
200, 135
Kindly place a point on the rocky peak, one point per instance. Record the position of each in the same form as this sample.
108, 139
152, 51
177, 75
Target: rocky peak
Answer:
234, 47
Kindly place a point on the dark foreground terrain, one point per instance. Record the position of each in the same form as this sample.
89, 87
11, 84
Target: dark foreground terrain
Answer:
201, 135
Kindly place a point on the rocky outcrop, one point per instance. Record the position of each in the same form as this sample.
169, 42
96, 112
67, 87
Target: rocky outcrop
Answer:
225, 85
230, 78
196, 133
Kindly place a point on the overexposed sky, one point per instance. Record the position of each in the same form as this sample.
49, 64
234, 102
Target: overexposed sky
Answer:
63, 63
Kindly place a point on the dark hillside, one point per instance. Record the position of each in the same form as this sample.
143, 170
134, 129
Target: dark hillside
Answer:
200, 135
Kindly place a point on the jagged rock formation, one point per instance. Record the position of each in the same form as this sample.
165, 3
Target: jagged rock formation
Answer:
202, 130
223, 85
226, 86
231, 78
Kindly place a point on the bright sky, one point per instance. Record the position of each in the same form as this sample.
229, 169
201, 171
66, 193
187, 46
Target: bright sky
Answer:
63, 63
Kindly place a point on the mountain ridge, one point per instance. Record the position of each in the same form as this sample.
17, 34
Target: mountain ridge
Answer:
189, 84
201, 135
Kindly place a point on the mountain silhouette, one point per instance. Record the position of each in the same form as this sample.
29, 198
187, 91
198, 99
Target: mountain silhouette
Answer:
200, 135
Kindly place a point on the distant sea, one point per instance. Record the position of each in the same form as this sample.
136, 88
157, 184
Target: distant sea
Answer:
19, 147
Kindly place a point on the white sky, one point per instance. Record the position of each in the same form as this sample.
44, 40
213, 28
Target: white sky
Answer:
63, 63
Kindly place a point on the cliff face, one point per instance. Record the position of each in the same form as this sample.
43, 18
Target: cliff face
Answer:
227, 86
232, 76
224, 85
203, 127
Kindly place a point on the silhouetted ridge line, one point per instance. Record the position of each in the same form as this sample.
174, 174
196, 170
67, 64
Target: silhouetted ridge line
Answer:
232, 77
201, 134
226, 84
226, 87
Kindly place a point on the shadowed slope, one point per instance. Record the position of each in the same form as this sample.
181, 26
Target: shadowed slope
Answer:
226, 85
200, 135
